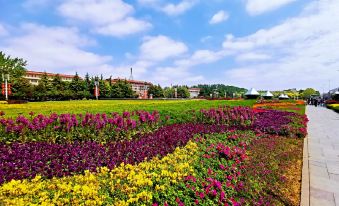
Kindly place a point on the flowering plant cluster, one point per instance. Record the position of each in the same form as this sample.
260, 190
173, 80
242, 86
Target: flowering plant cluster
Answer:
281, 123
70, 127
26, 160
293, 106
231, 116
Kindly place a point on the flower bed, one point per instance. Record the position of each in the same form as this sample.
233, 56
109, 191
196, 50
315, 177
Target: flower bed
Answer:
204, 161
70, 127
297, 106
335, 107
220, 169
26, 160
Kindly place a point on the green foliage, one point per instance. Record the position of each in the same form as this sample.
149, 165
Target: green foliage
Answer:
122, 89
220, 90
15, 67
183, 92
168, 92
104, 88
156, 91
43, 89
308, 92
22, 88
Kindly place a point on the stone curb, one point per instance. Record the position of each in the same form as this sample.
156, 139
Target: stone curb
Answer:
305, 181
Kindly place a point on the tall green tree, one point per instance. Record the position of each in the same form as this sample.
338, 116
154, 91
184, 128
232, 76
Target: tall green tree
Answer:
15, 67
169, 92
183, 92
22, 89
58, 87
105, 89
78, 88
156, 91
122, 89
42, 90
308, 92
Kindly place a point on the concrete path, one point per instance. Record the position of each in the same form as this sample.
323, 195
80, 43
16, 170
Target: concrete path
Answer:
323, 156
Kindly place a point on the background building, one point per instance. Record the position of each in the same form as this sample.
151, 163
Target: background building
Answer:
34, 77
194, 92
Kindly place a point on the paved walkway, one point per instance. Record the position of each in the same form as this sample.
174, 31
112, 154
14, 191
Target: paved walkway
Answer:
323, 154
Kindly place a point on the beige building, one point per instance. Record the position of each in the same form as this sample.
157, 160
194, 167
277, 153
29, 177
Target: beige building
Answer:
194, 92
34, 77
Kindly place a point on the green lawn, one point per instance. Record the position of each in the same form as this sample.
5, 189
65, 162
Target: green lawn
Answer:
165, 107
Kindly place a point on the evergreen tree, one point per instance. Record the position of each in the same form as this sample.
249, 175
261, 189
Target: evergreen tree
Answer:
22, 89
77, 86
156, 91
182, 92
41, 91
122, 89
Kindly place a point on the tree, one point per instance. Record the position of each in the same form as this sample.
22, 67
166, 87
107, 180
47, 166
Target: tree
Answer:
183, 92
87, 82
104, 89
77, 86
22, 88
122, 89
15, 67
168, 92
42, 90
156, 91
308, 92
221, 89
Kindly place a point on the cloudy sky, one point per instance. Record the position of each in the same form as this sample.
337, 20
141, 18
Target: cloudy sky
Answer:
267, 44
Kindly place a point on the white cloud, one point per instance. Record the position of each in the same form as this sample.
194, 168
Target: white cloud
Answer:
252, 56
3, 30
201, 57
55, 49
219, 17
180, 8
158, 48
122, 28
304, 50
109, 17
257, 7
171, 9
174, 75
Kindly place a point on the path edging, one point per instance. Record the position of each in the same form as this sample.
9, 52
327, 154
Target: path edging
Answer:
305, 180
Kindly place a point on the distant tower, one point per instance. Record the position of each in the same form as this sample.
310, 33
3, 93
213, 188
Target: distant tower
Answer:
131, 76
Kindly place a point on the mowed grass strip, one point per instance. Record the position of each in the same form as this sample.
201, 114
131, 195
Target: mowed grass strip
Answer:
165, 107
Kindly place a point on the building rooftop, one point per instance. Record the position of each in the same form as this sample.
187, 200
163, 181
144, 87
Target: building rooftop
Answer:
131, 81
194, 89
253, 92
268, 94
49, 74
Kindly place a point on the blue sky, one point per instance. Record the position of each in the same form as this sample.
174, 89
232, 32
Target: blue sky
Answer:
274, 44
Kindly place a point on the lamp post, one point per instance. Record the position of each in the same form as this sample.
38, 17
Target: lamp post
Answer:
96, 83
5, 78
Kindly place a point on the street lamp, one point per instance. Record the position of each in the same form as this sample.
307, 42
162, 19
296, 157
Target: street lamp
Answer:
96, 90
5, 78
